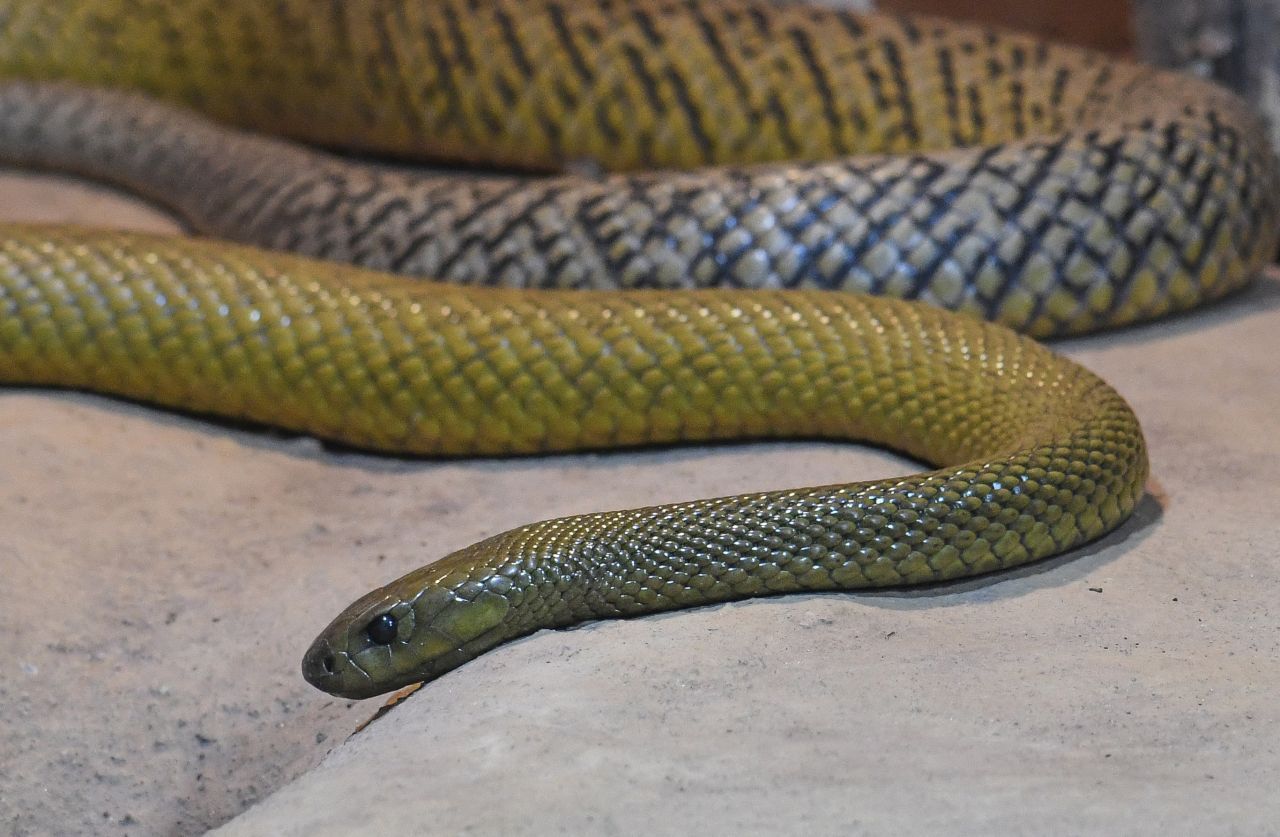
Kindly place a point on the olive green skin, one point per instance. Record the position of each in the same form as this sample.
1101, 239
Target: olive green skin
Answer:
1036, 454
1080, 193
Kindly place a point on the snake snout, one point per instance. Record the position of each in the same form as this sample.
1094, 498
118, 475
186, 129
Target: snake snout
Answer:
320, 665
334, 670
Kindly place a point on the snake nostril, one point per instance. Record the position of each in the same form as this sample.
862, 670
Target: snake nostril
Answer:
327, 663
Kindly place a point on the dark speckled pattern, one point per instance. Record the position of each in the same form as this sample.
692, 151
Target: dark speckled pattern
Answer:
1050, 189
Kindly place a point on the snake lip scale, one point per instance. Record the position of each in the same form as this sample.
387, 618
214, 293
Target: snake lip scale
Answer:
1047, 189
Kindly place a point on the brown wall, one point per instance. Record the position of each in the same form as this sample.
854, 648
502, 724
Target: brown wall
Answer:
1102, 24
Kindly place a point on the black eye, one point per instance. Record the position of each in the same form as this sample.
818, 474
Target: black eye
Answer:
382, 630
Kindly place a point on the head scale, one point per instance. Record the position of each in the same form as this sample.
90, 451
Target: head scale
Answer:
414, 629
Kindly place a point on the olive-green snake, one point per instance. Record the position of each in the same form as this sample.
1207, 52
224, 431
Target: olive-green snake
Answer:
1049, 189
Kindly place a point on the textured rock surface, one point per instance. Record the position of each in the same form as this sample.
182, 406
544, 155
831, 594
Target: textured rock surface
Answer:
161, 577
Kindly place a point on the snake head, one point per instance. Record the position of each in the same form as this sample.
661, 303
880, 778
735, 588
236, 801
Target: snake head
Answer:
414, 629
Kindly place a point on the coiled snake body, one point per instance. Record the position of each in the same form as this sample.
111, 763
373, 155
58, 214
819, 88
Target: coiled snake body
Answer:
1046, 188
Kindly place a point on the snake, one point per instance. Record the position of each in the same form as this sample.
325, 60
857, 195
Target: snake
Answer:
1048, 188
694, 188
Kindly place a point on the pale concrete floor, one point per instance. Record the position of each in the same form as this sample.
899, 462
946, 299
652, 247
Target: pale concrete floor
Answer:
161, 577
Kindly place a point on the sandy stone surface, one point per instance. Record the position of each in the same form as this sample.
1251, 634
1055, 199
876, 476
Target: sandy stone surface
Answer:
161, 577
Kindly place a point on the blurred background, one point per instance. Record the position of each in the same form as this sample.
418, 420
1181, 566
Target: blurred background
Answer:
1101, 24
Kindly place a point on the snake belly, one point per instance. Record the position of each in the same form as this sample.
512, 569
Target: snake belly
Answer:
1036, 454
1048, 188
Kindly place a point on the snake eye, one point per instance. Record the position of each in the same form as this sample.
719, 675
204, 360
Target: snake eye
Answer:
382, 630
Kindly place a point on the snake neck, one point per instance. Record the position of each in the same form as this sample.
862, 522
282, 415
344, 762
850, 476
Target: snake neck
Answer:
1011, 507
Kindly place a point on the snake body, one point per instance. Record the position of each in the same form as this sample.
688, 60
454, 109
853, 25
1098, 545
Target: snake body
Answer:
1039, 454
1047, 188
1043, 187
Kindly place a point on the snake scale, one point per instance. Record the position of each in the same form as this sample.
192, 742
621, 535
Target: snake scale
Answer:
1046, 188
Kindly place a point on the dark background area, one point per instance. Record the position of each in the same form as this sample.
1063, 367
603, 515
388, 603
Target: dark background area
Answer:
1102, 24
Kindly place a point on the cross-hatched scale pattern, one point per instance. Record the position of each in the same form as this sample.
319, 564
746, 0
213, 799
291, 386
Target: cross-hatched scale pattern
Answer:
1086, 192
536, 83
